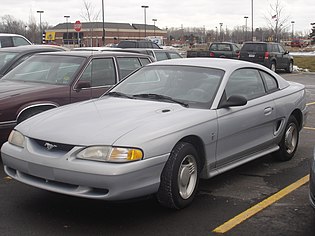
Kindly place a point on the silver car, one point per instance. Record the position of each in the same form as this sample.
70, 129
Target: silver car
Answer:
312, 182
159, 131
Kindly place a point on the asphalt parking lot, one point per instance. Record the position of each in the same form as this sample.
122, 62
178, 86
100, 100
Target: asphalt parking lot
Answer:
244, 201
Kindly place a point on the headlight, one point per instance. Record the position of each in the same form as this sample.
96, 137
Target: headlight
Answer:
16, 138
110, 154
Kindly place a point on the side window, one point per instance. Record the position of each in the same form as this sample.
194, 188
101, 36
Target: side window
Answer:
19, 41
245, 82
100, 72
271, 82
160, 56
275, 48
127, 65
281, 49
174, 55
145, 61
143, 45
6, 42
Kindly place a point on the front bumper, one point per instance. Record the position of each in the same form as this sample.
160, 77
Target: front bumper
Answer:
90, 179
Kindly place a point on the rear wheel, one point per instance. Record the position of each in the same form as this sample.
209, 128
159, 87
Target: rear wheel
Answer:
273, 66
180, 177
289, 142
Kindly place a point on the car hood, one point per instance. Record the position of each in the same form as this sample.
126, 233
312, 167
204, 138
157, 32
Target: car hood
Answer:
14, 88
105, 121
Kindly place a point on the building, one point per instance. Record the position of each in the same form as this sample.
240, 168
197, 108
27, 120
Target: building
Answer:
91, 33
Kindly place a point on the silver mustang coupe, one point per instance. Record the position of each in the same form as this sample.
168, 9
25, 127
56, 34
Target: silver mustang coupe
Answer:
159, 131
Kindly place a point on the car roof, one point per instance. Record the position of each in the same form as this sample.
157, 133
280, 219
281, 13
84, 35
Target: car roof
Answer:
9, 34
94, 53
260, 42
32, 47
218, 63
223, 43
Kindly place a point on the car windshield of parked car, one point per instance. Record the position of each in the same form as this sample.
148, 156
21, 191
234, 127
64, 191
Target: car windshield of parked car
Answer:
48, 69
6, 57
193, 86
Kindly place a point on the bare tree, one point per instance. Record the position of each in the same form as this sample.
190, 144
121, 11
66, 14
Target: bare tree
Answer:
277, 20
90, 15
11, 25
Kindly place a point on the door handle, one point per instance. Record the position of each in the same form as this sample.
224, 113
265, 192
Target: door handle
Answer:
268, 110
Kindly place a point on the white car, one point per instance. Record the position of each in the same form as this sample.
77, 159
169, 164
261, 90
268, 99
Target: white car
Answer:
160, 130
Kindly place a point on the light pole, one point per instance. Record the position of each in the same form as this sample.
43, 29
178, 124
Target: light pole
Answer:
245, 38
154, 20
252, 20
292, 22
103, 36
216, 33
145, 20
67, 17
220, 31
40, 26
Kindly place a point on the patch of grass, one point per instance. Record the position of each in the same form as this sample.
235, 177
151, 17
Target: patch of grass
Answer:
305, 62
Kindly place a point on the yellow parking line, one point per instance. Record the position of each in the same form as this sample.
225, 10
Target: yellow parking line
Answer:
310, 128
311, 103
260, 206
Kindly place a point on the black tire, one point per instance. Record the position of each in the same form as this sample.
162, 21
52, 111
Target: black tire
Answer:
273, 66
29, 113
289, 68
180, 177
289, 141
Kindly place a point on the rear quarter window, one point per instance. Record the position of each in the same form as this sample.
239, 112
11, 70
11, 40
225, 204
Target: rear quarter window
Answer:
270, 81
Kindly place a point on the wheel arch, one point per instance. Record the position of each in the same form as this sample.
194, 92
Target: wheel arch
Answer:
198, 145
41, 106
299, 117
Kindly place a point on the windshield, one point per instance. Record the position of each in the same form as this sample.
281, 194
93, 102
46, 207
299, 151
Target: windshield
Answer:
48, 69
6, 57
192, 86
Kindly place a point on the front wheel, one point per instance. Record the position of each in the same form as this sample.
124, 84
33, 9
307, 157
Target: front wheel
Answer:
289, 141
180, 177
289, 68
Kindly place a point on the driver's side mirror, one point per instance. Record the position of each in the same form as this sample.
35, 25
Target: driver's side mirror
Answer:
233, 101
82, 84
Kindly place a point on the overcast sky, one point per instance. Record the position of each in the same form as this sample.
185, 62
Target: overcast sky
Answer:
169, 13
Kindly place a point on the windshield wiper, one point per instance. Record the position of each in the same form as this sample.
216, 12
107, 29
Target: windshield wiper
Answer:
119, 94
160, 97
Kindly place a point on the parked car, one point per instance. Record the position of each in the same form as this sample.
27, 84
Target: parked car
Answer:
12, 40
312, 183
159, 130
157, 54
218, 50
12, 56
271, 55
49, 80
137, 44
